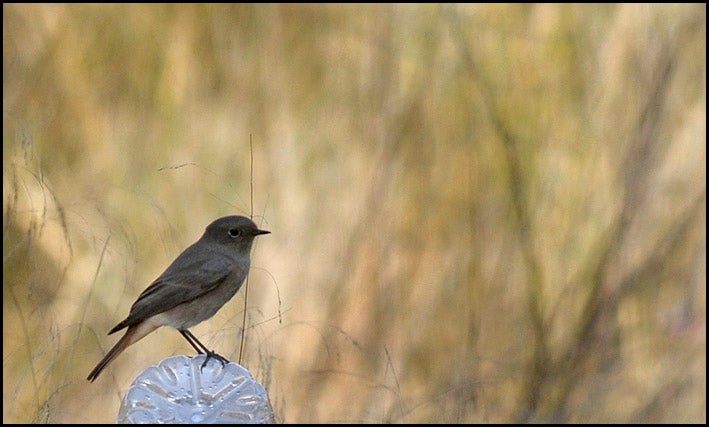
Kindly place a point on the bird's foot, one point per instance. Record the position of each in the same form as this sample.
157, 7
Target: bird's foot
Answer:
214, 355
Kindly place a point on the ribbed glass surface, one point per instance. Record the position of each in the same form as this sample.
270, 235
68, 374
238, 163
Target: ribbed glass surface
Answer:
179, 390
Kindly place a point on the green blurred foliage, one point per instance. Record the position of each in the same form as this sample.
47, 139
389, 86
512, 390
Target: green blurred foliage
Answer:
480, 213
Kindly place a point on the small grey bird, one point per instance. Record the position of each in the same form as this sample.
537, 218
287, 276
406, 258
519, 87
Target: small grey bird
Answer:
193, 288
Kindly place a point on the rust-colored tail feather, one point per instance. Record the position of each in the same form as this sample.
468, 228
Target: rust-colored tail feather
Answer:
132, 335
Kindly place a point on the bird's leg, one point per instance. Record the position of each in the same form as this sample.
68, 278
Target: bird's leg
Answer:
202, 349
192, 340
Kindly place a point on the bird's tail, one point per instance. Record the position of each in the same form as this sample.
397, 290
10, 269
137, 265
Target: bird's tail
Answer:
132, 335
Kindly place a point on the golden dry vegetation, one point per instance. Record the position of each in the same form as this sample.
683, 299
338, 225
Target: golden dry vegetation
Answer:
480, 213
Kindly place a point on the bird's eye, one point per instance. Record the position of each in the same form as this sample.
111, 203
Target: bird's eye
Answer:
234, 232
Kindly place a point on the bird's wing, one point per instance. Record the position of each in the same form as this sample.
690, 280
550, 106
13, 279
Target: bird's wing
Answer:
187, 278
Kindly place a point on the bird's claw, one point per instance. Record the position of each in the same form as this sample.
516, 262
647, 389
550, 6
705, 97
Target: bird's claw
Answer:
214, 355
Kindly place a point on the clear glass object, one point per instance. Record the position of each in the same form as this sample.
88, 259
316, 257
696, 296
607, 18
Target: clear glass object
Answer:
179, 390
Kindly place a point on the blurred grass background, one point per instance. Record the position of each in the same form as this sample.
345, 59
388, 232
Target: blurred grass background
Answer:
479, 213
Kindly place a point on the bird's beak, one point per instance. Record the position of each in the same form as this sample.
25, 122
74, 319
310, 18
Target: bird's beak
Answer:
257, 232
